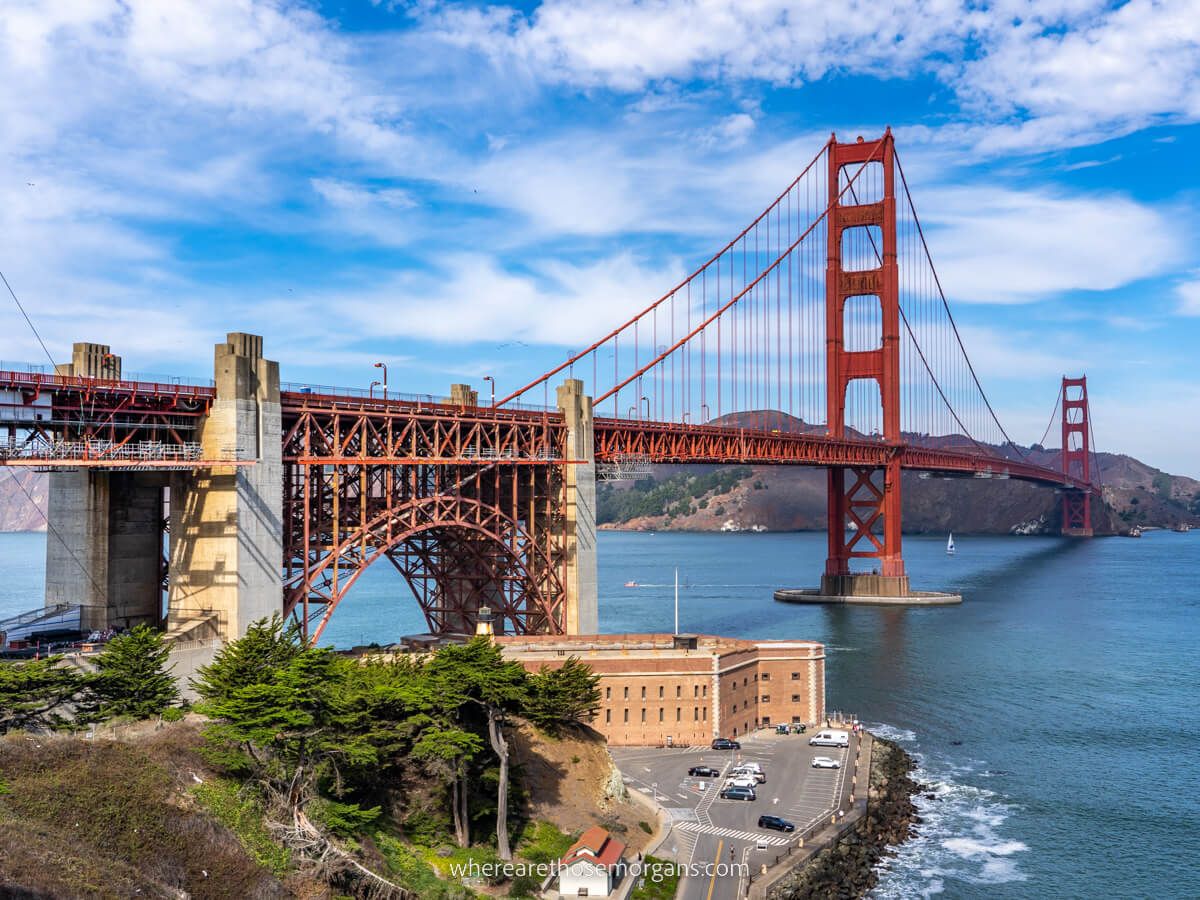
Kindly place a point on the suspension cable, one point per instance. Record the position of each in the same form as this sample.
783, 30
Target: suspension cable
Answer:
942, 294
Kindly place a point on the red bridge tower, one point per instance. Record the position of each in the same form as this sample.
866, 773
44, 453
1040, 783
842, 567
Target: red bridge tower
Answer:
1076, 456
863, 501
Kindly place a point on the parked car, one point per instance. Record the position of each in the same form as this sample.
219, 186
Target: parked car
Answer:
830, 738
725, 744
825, 762
738, 793
750, 766
704, 772
746, 781
775, 823
758, 776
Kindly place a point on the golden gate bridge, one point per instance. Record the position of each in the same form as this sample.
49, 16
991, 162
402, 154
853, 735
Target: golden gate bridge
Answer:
819, 336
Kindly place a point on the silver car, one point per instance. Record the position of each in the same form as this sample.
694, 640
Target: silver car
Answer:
825, 762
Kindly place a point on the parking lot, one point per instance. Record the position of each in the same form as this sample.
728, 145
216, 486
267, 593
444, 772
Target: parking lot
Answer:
709, 829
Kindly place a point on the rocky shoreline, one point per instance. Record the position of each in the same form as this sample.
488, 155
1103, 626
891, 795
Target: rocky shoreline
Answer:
847, 869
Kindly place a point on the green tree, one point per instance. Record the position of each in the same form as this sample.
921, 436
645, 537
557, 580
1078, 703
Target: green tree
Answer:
253, 659
306, 730
132, 677
475, 677
37, 693
448, 752
568, 695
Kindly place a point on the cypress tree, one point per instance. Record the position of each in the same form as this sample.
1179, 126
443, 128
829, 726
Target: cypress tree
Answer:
132, 676
36, 693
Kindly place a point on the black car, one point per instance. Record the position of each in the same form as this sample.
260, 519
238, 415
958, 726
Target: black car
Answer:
738, 793
775, 823
725, 744
703, 772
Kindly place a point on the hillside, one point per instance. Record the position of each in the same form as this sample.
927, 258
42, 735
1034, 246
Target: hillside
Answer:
17, 487
145, 814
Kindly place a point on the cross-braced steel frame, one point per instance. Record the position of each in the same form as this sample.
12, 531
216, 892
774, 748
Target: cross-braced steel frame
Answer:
466, 503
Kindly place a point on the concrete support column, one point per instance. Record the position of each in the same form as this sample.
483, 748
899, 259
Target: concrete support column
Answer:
105, 541
582, 602
77, 544
226, 567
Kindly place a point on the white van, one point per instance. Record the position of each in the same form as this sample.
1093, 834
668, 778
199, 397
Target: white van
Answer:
830, 738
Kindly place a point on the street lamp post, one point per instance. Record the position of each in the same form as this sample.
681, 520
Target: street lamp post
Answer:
491, 381
108, 363
383, 366
371, 390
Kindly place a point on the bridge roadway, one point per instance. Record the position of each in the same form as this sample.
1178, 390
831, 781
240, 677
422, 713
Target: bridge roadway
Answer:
115, 414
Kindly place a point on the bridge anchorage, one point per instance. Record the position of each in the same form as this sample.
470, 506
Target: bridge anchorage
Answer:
819, 336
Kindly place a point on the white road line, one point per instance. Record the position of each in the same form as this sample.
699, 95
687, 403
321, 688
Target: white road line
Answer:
734, 833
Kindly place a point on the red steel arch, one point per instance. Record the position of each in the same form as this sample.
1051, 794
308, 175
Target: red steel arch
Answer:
455, 553
466, 502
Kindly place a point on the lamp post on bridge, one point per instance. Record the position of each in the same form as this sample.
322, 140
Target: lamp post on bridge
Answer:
492, 382
371, 389
380, 365
108, 365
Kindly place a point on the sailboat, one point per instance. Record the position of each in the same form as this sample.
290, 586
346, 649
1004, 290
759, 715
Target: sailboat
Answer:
950, 545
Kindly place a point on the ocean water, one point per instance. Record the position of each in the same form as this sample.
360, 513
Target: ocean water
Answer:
1053, 714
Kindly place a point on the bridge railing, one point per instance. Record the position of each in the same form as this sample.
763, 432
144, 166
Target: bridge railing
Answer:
146, 451
377, 396
166, 385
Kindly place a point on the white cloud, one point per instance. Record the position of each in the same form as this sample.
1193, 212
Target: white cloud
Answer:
1189, 296
625, 44
1031, 73
992, 244
1110, 71
470, 297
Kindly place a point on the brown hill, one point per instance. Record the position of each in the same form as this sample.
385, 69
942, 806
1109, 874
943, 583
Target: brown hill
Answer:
18, 487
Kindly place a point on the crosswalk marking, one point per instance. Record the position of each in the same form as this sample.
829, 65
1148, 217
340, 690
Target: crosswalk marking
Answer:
680, 813
733, 833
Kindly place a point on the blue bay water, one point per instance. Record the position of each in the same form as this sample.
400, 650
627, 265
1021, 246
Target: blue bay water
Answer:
1053, 714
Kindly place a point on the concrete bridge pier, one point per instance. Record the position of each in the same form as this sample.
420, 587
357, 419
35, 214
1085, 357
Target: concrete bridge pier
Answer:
582, 615
104, 544
226, 560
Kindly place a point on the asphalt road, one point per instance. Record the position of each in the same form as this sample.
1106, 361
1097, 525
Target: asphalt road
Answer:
709, 831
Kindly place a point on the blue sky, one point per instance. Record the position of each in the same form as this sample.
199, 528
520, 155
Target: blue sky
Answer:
466, 190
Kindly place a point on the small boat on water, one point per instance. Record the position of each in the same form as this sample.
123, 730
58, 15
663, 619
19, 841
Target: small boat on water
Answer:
950, 545
631, 584
1135, 531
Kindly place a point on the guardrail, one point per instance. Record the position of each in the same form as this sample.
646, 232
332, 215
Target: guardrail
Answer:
378, 396
139, 451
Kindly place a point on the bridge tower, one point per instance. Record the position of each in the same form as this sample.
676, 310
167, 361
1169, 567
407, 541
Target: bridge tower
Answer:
864, 503
1076, 456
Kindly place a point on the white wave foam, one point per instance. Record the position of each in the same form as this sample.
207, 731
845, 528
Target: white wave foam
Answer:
960, 837
972, 848
891, 732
